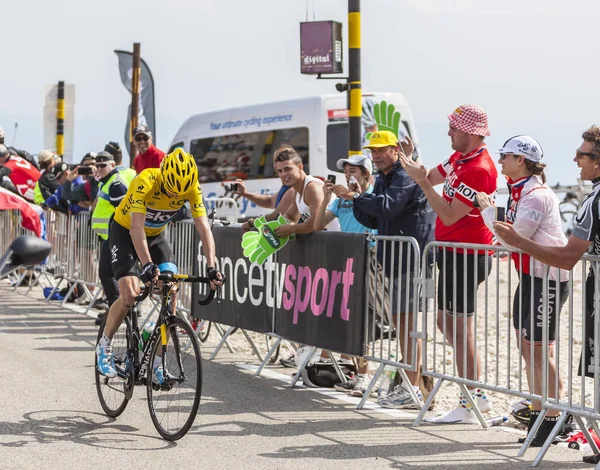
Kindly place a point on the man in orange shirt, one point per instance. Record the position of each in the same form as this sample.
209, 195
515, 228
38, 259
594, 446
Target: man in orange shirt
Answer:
148, 155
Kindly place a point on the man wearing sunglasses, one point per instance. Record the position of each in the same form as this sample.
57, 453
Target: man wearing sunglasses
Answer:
584, 238
148, 155
112, 189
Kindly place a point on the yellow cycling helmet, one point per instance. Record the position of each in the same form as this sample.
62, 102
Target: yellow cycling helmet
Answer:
179, 172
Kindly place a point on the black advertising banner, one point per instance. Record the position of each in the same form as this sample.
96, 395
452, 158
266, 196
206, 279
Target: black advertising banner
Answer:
314, 288
323, 291
146, 112
247, 301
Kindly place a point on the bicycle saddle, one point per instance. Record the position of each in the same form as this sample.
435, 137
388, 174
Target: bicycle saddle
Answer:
24, 251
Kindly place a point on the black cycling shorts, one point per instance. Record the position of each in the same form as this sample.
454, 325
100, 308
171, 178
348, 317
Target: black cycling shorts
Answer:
477, 270
528, 304
124, 256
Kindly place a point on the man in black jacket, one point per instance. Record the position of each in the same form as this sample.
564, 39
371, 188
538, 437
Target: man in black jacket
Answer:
396, 207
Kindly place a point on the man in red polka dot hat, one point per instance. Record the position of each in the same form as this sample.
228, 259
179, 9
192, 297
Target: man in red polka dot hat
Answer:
469, 170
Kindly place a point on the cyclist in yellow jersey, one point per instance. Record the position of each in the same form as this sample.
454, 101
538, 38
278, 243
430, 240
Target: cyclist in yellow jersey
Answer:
153, 198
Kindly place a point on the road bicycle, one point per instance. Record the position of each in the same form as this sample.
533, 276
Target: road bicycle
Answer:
173, 405
568, 207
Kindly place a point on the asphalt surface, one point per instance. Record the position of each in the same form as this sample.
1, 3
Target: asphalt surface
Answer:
50, 416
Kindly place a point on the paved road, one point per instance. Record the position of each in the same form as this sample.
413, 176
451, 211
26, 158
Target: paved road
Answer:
50, 416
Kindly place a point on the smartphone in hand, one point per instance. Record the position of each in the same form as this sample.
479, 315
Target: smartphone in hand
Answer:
331, 179
500, 214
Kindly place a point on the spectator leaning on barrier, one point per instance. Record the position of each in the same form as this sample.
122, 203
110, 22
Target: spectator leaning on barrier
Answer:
47, 184
148, 155
356, 168
469, 170
533, 211
584, 238
19, 174
112, 190
396, 206
306, 190
280, 201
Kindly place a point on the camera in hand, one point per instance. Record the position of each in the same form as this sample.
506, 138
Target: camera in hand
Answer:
233, 187
85, 170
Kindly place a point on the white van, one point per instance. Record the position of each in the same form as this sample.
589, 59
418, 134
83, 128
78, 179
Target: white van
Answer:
238, 142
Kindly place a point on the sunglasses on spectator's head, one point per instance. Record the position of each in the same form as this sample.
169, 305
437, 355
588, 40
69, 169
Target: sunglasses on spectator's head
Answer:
140, 137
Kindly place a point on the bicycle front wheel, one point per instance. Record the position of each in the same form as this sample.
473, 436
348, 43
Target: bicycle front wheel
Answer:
114, 393
173, 403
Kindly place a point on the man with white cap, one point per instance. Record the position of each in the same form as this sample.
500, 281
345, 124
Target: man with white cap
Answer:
148, 155
397, 206
469, 170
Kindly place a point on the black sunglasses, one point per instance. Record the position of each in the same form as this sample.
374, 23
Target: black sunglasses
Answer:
579, 154
140, 137
101, 165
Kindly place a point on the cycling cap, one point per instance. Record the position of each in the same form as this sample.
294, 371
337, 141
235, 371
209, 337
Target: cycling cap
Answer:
179, 172
523, 145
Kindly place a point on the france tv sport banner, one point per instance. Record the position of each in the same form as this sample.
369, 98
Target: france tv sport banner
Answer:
247, 301
323, 297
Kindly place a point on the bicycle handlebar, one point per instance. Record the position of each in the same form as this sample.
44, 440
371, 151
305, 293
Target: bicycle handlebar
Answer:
168, 277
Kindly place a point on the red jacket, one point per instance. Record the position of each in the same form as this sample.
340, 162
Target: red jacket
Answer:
151, 158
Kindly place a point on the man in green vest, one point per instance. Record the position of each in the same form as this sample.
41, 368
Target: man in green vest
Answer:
112, 189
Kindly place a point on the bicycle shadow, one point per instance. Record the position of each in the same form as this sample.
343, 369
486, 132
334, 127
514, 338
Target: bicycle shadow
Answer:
80, 427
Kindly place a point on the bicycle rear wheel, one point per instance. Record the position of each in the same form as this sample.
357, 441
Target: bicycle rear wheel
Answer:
114, 393
174, 404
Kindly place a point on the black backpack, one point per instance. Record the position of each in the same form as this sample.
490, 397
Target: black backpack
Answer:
323, 374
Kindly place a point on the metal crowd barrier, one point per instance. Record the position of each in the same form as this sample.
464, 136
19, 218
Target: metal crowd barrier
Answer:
393, 339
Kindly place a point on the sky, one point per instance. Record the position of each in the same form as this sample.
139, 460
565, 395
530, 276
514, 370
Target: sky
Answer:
530, 64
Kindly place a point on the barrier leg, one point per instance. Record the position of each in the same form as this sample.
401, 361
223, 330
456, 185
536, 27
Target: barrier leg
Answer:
474, 408
555, 430
55, 288
94, 297
220, 345
267, 357
370, 387
252, 345
430, 398
19, 280
532, 433
305, 361
221, 332
336, 366
69, 292
587, 434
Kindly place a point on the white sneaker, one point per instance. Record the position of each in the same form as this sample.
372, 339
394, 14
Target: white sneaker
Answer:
362, 383
458, 415
400, 398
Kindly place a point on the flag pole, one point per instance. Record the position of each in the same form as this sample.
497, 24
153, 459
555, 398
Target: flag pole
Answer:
135, 98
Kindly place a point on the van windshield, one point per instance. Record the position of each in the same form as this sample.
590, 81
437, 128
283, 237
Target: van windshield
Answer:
245, 156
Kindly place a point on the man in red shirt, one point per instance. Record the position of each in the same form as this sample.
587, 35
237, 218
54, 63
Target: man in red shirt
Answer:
21, 175
469, 170
148, 155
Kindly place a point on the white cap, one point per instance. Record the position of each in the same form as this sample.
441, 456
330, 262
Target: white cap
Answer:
356, 160
523, 145
1, 133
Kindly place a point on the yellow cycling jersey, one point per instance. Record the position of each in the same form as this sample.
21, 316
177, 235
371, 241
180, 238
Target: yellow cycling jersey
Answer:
146, 195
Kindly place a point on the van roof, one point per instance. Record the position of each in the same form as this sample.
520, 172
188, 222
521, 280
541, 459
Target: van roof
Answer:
309, 105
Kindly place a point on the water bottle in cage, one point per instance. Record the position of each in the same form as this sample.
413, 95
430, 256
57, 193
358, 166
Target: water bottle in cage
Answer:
387, 382
146, 333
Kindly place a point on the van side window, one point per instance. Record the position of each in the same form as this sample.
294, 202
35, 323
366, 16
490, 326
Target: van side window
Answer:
175, 146
245, 156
